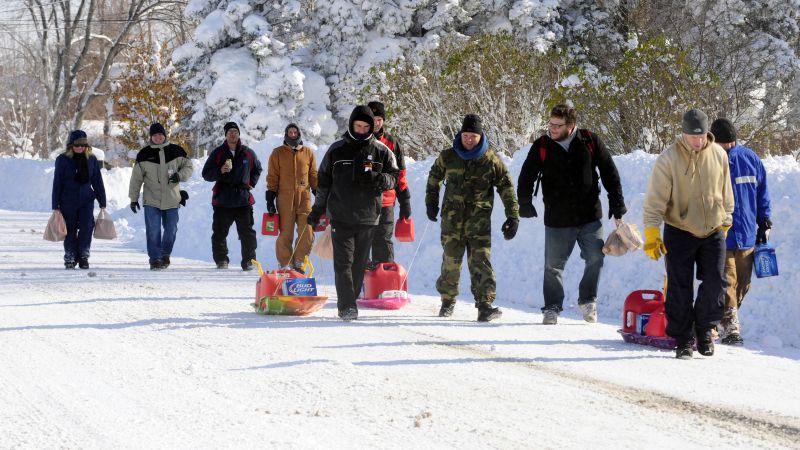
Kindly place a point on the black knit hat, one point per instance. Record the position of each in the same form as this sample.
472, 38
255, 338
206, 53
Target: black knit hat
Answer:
157, 128
378, 109
77, 137
364, 114
723, 131
230, 125
472, 124
695, 122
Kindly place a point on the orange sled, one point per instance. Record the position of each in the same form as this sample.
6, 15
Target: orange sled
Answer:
287, 292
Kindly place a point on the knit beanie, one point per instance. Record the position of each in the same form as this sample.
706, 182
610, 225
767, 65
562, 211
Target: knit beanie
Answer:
157, 128
378, 109
77, 137
364, 114
723, 131
695, 122
230, 125
472, 124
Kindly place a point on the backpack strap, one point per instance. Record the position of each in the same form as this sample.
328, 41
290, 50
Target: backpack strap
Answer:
586, 135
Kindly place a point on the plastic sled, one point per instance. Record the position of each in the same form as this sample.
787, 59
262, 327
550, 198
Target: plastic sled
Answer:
272, 300
385, 287
386, 300
665, 342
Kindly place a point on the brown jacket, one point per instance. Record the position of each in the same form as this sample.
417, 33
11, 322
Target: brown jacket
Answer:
292, 174
690, 190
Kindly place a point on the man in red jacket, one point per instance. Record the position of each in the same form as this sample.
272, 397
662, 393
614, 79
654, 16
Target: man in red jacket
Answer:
382, 246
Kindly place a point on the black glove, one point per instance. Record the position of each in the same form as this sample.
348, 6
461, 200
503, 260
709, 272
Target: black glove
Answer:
617, 211
313, 218
433, 212
175, 178
762, 234
184, 197
271, 196
314, 191
527, 210
135, 207
509, 228
405, 208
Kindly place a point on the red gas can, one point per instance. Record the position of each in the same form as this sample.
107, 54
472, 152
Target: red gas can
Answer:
271, 283
270, 224
643, 313
389, 276
404, 230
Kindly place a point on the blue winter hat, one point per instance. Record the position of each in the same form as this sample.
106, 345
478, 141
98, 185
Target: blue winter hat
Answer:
157, 128
77, 137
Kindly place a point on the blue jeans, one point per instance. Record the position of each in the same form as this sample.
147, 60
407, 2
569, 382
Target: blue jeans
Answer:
160, 244
558, 245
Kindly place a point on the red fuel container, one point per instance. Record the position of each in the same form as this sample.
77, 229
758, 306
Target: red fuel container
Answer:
270, 224
323, 223
271, 283
389, 276
404, 230
643, 313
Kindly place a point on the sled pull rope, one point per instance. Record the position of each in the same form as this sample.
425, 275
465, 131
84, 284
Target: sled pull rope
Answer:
416, 250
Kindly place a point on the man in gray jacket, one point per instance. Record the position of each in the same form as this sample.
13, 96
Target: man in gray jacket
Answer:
160, 167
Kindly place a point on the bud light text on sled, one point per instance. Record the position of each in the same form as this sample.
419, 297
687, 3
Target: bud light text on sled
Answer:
300, 287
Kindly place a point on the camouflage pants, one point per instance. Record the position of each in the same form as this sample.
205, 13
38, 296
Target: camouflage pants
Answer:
478, 249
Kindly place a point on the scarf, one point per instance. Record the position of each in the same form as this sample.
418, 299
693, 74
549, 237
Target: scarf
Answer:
81, 167
476, 152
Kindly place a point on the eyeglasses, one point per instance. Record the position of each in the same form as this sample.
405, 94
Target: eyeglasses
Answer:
79, 146
556, 125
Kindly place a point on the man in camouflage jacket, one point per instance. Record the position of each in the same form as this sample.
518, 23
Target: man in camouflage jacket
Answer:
470, 170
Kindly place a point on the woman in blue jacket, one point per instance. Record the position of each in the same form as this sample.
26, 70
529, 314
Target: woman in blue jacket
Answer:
77, 182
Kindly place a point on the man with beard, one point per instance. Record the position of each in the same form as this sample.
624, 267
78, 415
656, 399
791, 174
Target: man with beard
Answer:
566, 161
351, 179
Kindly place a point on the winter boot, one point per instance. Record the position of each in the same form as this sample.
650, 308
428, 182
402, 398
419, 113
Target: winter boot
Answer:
247, 266
705, 343
733, 339
447, 309
729, 323
298, 267
684, 350
156, 264
589, 311
69, 264
164, 262
222, 264
549, 317
348, 314
83, 263
487, 313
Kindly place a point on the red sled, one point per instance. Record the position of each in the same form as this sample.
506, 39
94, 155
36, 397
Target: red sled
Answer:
385, 287
644, 320
274, 297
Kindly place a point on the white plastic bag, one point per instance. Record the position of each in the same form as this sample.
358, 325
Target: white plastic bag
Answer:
56, 227
104, 226
323, 247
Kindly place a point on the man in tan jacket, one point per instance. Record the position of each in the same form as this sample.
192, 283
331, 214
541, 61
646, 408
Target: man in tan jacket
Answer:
291, 177
690, 191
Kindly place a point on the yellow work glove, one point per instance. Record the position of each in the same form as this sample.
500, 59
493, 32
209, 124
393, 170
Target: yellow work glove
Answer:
653, 245
725, 229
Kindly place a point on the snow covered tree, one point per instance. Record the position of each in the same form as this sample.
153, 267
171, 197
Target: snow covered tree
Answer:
237, 69
146, 91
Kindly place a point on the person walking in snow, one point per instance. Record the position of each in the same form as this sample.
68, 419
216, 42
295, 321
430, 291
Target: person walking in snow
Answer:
291, 177
566, 161
382, 245
690, 192
77, 182
234, 169
751, 224
160, 168
352, 177
471, 171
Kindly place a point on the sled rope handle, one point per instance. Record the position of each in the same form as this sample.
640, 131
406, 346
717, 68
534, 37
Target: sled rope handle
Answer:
416, 250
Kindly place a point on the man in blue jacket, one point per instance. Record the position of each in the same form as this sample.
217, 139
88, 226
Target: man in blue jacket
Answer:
751, 224
234, 169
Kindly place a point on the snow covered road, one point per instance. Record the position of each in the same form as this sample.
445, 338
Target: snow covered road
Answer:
119, 356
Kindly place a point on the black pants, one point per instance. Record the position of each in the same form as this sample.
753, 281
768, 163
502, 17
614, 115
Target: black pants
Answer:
223, 219
684, 251
350, 250
382, 245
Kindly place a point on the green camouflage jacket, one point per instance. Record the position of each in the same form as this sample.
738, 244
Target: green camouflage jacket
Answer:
469, 187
